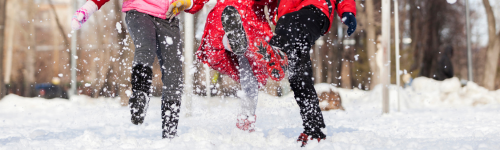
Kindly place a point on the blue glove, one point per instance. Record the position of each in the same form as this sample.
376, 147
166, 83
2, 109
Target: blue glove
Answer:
349, 20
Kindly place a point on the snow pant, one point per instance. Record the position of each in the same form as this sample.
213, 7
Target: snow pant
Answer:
236, 40
249, 85
156, 37
295, 34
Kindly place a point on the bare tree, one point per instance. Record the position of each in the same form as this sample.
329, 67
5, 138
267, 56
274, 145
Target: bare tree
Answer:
29, 63
493, 49
3, 17
102, 64
332, 55
121, 65
433, 26
59, 25
370, 44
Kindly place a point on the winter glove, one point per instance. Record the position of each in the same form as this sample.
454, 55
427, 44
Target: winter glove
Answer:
349, 20
177, 7
83, 14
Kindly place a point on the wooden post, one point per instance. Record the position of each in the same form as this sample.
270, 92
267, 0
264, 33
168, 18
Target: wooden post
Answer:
396, 38
29, 62
55, 50
3, 17
386, 45
188, 60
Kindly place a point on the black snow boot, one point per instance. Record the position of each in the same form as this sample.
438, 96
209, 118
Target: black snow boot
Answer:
142, 77
170, 115
233, 26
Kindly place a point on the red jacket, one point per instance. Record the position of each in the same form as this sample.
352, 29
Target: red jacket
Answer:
326, 6
212, 51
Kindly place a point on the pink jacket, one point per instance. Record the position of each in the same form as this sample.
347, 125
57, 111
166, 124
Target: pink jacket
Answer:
156, 8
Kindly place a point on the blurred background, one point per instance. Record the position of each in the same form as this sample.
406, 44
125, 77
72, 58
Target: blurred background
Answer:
36, 49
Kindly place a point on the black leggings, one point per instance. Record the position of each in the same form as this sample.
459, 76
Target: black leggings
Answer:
161, 38
295, 34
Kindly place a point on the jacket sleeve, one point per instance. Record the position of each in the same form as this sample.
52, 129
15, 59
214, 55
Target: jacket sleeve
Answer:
346, 6
99, 3
197, 6
284, 7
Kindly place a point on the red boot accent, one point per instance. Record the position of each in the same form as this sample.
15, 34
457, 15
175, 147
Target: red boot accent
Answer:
246, 123
302, 138
319, 139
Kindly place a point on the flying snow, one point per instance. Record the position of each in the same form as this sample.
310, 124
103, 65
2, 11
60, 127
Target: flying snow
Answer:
119, 27
169, 40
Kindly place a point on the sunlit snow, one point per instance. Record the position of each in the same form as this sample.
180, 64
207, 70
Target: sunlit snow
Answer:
434, 115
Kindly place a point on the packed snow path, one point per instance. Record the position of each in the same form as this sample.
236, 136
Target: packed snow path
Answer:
85, 123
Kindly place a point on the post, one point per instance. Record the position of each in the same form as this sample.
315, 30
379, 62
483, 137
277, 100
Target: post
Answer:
188, 60
73, 81
3, 19
386, 43
207, 80
396, 38
319, 60
10, 43
469, 54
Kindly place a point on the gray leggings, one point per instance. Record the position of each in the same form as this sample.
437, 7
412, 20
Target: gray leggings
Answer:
249, 85
155, 37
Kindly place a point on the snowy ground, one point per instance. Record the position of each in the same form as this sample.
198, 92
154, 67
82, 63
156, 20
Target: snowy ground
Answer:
434, 115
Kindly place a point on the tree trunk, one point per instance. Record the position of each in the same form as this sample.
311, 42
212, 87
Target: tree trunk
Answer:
10, 47
55, 50
330, 53
415, 29
370, 44
3, 4
333, 50
346, 74
59, 26
121, 65
493, 50
318, 61
29, 65
102, 66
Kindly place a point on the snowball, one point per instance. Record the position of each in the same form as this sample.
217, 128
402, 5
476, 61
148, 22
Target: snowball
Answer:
119, 27
169, 40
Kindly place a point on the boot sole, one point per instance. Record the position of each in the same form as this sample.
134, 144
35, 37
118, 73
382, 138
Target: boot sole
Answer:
233, 26
139, 114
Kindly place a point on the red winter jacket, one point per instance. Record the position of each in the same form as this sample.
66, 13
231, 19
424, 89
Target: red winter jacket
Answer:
326, 6
211, 50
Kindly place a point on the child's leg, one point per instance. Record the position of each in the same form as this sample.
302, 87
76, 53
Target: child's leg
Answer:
309, 24
249, 85
238, 43
141, 28
169, 56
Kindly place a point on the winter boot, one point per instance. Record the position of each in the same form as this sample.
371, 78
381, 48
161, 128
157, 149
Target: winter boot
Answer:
246, 123
275, 59
235, 33
141, 84
313, 134
170, 116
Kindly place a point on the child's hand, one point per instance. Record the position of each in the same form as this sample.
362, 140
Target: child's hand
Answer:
177, 7
83, 14
350, 20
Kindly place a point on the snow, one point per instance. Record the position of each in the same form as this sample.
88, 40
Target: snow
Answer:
434, 115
